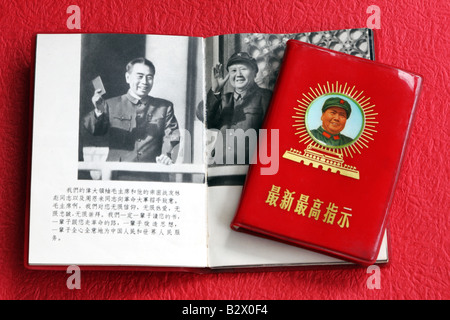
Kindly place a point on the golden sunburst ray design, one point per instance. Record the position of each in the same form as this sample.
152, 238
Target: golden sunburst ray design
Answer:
369, 116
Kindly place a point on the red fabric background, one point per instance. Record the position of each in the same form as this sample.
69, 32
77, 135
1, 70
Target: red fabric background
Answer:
413, 36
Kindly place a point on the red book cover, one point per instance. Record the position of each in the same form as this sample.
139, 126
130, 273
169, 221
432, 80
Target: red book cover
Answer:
336, 132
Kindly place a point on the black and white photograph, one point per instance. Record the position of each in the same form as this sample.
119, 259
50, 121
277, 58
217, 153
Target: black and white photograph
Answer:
240, 74
137, 108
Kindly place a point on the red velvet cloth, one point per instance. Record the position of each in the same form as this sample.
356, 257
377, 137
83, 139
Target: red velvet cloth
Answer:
413, 36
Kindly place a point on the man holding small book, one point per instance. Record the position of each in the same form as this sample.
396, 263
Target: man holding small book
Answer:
140, 128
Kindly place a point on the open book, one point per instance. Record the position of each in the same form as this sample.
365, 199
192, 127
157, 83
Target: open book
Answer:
141, 144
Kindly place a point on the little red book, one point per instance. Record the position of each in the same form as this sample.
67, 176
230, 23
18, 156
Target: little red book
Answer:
339, 125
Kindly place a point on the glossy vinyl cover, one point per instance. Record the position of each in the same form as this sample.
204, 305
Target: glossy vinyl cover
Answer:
336, 131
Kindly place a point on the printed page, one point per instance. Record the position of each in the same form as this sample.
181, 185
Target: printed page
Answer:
118, 177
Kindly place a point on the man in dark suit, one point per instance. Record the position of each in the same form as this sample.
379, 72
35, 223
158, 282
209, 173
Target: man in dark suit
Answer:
140, 128
243, 108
